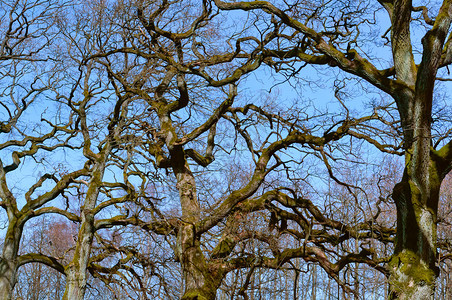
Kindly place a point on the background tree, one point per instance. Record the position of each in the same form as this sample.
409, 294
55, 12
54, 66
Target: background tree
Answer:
53, 238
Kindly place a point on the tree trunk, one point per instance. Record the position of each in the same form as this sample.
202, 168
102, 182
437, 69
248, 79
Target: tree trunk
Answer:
414, 264
198, 281
8, 269
76, 271
8, 260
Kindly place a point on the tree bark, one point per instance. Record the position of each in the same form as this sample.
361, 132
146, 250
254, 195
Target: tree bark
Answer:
9, 261
414, 264
198, 281
76, 271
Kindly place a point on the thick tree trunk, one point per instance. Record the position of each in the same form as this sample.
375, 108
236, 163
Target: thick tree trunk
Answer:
199, 282
7, 277
8, 269
76, 271
9, 261
414, 265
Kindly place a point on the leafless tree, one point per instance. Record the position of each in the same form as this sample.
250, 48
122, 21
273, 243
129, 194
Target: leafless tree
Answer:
332, 35
190, 180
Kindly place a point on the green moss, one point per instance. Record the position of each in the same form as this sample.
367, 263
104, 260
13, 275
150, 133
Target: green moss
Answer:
408, 272
223, 248
194, 295
207, 292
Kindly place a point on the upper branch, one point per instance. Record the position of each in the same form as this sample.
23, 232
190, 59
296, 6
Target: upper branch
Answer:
350, 61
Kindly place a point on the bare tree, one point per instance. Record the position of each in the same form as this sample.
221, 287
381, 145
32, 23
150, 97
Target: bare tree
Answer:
27, 32
332, 36
162, 61
51, 237
191, 181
